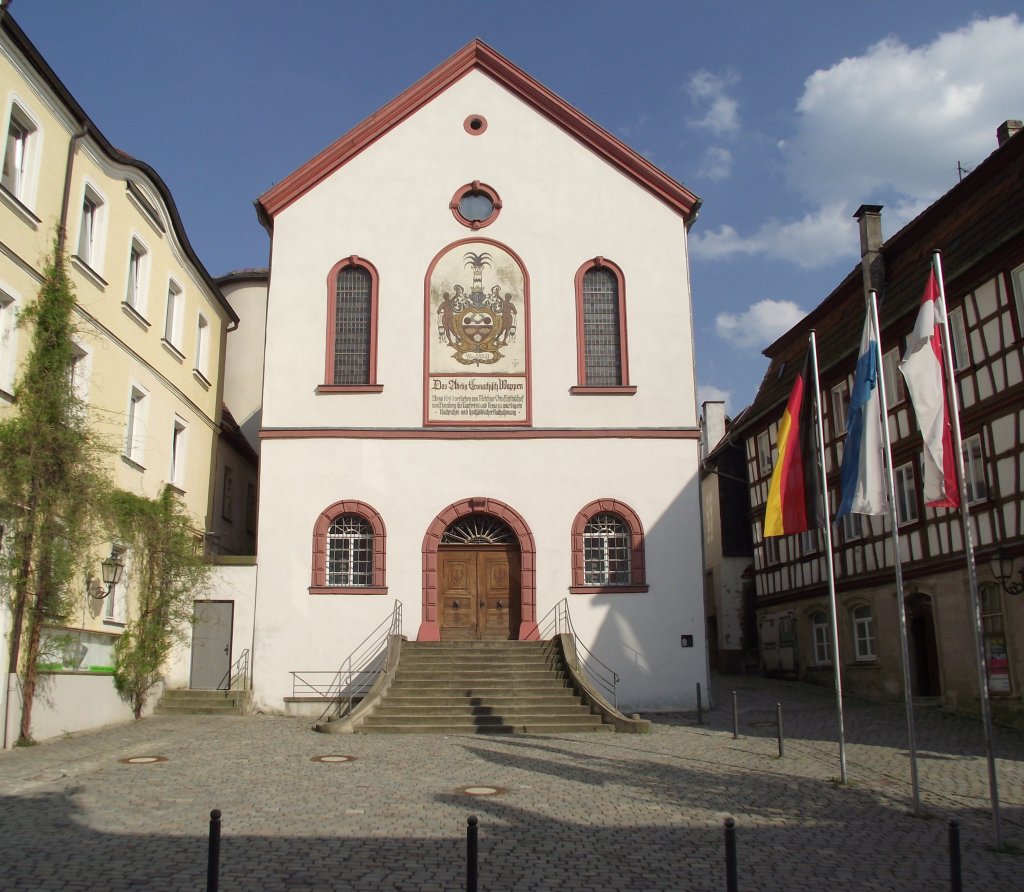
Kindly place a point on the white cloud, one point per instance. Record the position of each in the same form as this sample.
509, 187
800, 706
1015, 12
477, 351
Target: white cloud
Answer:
898, 119
886, 127
817, 239
761, 324
716, 164
709, 91
708, 393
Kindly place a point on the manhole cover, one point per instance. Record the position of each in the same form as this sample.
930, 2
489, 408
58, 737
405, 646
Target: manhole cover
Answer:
332, 759
481, 791
142, 760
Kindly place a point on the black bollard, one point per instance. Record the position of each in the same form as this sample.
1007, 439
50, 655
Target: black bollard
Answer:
731, 879
471, 840
735, 717
213, 860
778, 722
700, 710
955, 880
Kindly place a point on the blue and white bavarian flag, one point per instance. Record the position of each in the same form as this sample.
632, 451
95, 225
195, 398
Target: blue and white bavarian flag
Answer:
862, 481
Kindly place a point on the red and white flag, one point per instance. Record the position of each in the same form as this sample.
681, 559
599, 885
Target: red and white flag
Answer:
924, 371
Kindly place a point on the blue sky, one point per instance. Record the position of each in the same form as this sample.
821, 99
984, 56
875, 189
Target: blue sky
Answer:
782, 117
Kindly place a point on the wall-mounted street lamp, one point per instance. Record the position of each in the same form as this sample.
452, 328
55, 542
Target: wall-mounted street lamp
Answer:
1003, 566
112, 569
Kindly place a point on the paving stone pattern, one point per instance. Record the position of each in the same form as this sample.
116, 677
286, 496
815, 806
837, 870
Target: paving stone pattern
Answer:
573, 812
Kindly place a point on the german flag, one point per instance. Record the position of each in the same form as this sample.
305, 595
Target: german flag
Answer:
794, 496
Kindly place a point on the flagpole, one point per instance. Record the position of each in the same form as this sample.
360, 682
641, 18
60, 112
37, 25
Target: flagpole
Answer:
972, 576
830, 567
893, 523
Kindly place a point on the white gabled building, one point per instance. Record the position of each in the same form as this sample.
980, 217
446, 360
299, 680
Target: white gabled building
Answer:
479, 390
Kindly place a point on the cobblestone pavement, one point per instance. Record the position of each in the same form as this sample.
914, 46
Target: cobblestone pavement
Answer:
572, 812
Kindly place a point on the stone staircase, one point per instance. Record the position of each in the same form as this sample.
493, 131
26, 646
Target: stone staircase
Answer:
480, 687
189, 702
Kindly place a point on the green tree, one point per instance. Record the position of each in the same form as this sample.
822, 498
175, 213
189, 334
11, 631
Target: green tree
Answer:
169, 570
50, 482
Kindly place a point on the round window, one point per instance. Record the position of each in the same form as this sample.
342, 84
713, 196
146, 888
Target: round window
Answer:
475, 205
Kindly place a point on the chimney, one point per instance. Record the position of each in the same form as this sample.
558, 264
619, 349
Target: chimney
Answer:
714, 425
1007, 130
869, 216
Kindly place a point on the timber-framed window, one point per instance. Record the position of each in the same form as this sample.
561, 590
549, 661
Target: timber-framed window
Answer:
351, 361
349, 551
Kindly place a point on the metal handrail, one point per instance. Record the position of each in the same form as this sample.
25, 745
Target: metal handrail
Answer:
557, 621
237, 676
358, 671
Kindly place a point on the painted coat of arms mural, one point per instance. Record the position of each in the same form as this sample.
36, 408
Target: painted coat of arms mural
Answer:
477, 353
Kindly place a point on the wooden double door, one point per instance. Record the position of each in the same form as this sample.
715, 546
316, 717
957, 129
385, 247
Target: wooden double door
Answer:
478, 592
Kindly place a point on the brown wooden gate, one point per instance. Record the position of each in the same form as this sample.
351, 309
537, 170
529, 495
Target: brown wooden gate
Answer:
478, 592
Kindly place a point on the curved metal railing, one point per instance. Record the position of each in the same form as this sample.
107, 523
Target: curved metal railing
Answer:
357, 673
557, 621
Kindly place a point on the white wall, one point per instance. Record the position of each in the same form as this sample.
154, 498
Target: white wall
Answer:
235, 582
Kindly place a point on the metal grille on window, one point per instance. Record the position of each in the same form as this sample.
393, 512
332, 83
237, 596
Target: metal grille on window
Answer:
477, 529
606, 551
601, 337
349, 551
352, 327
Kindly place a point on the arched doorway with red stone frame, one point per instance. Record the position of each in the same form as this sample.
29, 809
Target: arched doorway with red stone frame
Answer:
433, 552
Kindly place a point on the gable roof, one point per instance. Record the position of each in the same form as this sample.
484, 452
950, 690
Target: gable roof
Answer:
478, 56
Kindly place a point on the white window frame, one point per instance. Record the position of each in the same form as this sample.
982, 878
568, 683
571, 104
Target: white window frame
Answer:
958, 339
840, 407
349, 552
863, 634
821, 639
91, 228
975, 479
172, 313
765, 457
853, 527
179, 451
81, 372
8, 339
895, 387
771, 551
905, 485
25, 164
135, 429
607, 550
202, 346
809, 542
1017, 281
138, 276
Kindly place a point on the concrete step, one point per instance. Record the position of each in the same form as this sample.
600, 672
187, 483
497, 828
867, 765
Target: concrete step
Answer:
459, 675
483, 710
497, 701
189, 702
535, 727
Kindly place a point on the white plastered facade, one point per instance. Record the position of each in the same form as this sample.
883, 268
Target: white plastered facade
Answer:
562, 206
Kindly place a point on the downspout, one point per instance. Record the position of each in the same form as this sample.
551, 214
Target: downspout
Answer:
62, 227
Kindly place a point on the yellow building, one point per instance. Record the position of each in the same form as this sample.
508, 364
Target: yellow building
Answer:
152, 326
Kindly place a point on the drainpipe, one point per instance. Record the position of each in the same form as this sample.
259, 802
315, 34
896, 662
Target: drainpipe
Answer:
62, 227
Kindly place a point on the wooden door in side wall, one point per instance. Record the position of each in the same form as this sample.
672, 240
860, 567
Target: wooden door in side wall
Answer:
478, 593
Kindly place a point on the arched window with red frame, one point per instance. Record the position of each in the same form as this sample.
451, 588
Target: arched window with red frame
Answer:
351, 362
602, 352
349, 551
608, 550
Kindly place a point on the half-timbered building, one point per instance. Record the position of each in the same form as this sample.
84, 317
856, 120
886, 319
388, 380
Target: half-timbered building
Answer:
979, 228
